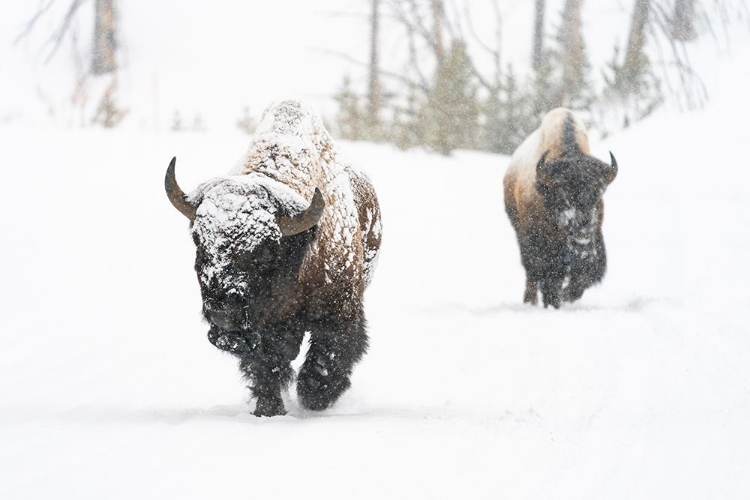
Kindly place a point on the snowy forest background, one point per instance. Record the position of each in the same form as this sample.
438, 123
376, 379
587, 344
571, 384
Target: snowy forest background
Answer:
109, 388
441, 74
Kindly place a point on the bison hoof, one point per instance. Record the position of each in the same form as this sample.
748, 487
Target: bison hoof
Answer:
317, 391
269, 408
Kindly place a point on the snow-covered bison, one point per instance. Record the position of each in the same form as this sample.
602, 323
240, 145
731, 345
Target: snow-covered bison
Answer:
286, 245
553, 197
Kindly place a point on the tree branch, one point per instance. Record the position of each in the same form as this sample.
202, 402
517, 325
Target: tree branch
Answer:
382, 72
56, 38
32, 22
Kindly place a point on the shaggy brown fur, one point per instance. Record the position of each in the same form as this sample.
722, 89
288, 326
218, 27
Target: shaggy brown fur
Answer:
553, 196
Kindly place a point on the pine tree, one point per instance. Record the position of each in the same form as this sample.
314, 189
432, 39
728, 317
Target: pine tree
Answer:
108, 113
406, 130
516, 116
544, 92
493, 124
246, 123
350, 117
451, 117
576, 90
177, 122
508, 116
631, 87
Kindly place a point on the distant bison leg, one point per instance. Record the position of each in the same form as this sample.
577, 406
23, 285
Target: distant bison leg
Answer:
335, 347
268, 369
530, 295
531, 263
544, 262
552, 292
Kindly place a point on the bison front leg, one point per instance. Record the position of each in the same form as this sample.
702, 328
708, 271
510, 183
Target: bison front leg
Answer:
530, 294
335, 347
552, 292
268, 369
587, 271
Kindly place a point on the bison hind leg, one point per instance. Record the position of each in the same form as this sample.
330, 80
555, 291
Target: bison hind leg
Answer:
531, 292
335, 347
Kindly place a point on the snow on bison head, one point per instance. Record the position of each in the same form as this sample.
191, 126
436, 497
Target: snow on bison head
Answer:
251, 234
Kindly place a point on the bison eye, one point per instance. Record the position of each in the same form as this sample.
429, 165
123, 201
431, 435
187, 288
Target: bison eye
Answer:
264, 255
259, 257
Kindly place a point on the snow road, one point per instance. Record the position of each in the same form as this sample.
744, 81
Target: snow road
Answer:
109, 388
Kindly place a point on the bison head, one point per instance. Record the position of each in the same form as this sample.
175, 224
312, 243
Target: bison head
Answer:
572, 188
251, 234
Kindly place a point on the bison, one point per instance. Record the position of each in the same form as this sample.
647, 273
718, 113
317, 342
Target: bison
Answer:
284, 246
553, 196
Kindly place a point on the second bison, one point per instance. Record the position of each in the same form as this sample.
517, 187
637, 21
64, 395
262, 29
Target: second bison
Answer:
553, 197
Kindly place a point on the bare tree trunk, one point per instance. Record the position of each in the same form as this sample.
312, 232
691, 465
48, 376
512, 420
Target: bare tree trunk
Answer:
538, 50
573, 47
375, 92
105, 38
682, 22
438, 12
637, 38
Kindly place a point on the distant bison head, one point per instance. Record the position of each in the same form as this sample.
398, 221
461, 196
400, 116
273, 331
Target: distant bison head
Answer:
572, 188
251, 235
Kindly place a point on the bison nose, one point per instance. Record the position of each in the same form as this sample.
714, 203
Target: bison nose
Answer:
228, 319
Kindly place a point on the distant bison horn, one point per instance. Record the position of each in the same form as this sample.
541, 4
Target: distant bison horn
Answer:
176, 196
302, 222
612, 170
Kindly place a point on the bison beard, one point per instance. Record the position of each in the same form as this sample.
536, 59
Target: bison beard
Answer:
337, 343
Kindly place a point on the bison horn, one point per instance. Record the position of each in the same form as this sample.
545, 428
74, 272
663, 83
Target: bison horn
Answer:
541, 175
612, 171
176, 196
290, 226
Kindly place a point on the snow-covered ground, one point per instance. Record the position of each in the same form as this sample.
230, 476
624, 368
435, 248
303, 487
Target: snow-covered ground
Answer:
109, 388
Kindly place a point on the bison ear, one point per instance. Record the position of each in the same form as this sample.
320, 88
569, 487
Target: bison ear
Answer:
290, 226
542, 175
176, 195
611, 170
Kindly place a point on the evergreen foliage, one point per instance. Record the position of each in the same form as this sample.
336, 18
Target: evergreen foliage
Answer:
631, 88
351, 117
455, 109
508, 116
450, 119
246, 123
572, 66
